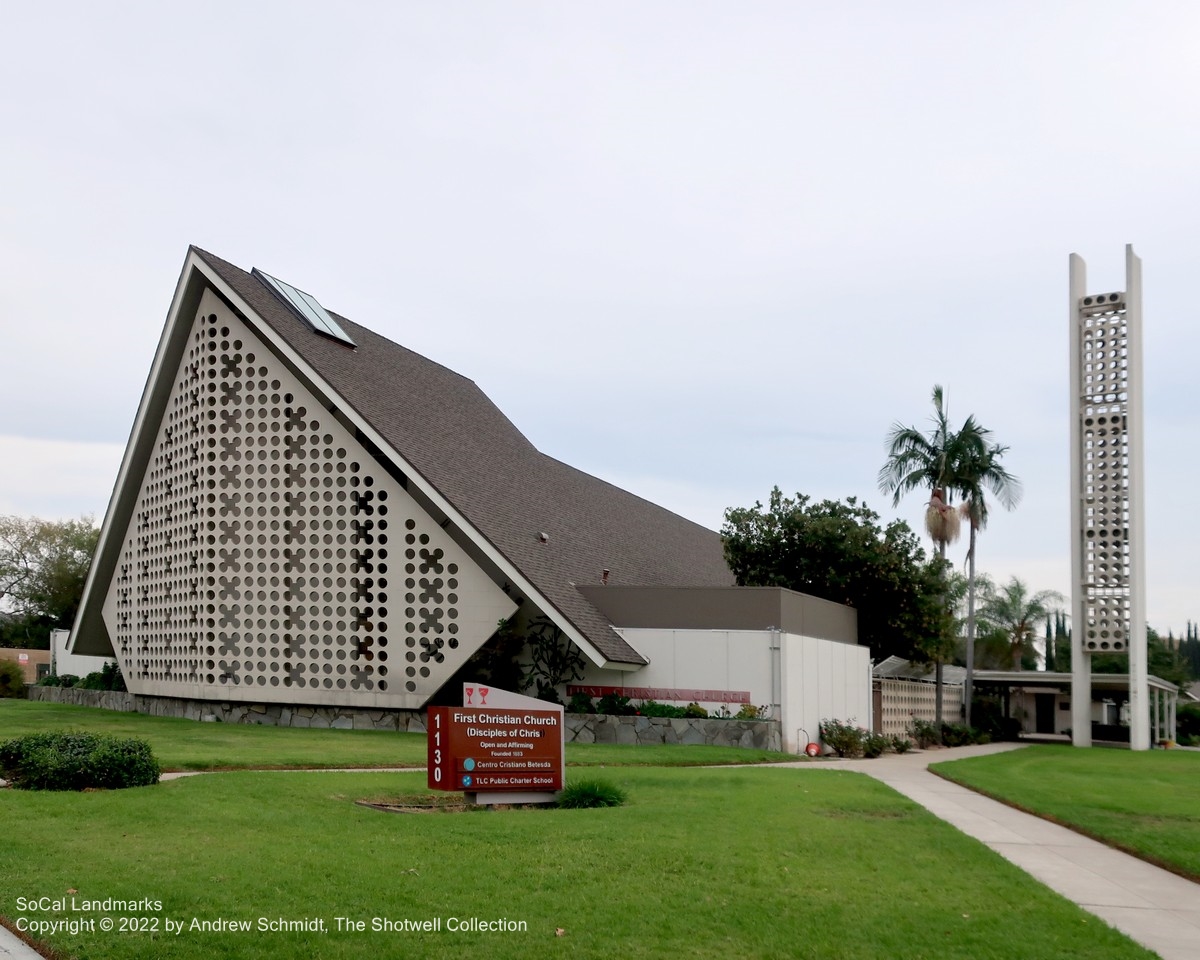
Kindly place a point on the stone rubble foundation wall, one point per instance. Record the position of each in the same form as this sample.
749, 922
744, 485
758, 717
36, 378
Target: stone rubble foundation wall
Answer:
581, 727
270, 714
749, 734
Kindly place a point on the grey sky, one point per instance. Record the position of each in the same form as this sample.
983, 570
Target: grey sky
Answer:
697, 249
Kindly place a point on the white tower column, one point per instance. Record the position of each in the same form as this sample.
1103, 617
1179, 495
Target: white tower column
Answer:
1107, 493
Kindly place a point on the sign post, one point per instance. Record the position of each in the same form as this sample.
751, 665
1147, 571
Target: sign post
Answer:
499, 747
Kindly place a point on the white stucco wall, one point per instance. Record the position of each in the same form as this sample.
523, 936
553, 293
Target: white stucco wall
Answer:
808, 680
822, 680
682, 660
74, 663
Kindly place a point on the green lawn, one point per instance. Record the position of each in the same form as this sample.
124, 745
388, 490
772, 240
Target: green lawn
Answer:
700, 864
188, 745
1147, 803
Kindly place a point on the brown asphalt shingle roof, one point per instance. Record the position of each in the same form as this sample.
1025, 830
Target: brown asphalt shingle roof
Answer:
461, 443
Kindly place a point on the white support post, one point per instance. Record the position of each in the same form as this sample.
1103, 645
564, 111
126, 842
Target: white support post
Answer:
1081, 658
1135, 489
1107, 494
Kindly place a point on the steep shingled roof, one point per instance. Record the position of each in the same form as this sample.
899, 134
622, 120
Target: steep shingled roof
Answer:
447, 429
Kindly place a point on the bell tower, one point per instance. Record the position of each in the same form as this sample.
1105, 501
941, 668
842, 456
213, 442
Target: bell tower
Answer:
1108, 553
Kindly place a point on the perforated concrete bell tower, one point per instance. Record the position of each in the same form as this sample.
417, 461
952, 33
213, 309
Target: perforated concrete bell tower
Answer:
1107, 494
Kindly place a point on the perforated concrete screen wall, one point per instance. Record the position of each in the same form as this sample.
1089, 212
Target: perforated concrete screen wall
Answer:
271, 558
1104, 340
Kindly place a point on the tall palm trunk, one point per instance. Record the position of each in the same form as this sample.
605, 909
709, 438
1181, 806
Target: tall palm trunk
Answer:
937, 668
968, 685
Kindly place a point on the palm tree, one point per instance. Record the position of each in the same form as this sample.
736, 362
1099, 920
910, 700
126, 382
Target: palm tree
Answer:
980, 470
1013, 611
949, 463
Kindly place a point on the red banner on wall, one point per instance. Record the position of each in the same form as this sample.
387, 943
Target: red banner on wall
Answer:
687, 694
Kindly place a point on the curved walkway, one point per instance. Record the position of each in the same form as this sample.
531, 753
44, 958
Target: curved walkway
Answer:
1152, 906
1149, 905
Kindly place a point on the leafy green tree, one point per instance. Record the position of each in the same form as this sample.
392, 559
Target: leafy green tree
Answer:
1162, 661
1014, 613
949, 463
43, 568
839, 551
1049, 646
1062, 644
1189, 648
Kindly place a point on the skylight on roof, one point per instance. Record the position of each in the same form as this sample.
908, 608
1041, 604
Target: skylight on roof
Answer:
306, 305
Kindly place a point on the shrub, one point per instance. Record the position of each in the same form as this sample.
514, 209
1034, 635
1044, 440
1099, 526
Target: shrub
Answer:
77, 761
988, 716
927, 734
1187, 721
581, 703
615, 705
844, 739
901, 744
874, 744
955, 734
924, 732
59, 680
750, 712
652, 708
959, 735
12, 679
586, 794
107, 678
694, 709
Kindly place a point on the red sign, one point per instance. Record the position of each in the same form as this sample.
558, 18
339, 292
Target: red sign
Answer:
664, 693
479, 749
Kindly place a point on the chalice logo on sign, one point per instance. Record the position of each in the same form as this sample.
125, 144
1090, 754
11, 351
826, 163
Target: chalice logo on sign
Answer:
471, 691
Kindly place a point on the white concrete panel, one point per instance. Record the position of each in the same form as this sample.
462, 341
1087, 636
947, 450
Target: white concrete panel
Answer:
749, 665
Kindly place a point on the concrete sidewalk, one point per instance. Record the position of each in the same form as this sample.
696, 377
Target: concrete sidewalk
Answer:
1152, 906
13, 948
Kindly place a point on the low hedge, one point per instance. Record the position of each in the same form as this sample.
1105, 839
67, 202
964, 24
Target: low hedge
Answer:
77, 761
12, 680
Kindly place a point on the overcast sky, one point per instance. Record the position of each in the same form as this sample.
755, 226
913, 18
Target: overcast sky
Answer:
697, 249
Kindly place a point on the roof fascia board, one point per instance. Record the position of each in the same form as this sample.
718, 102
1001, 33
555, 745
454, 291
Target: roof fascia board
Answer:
481, 542
1048, 678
